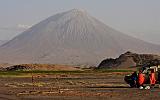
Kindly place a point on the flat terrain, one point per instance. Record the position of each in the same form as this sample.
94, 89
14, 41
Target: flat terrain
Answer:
71, 86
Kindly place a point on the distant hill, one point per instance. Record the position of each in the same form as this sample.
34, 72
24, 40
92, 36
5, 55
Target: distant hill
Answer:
39, 67
128, 59
73, 38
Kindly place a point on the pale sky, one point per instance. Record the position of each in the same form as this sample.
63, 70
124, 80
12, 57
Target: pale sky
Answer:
138, 18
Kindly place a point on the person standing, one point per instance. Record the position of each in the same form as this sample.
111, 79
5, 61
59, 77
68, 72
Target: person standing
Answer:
152, 78
141, 79
134, 79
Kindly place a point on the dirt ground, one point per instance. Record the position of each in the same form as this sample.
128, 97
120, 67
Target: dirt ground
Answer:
76, 86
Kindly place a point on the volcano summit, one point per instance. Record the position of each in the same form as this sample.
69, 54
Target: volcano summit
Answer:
73, 37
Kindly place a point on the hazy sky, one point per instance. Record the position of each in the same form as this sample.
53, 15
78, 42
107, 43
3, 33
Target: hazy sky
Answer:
139, 18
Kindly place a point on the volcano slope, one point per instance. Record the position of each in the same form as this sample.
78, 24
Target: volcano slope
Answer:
2, 42
74, 38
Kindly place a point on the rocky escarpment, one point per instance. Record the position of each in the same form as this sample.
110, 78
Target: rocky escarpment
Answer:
128, 59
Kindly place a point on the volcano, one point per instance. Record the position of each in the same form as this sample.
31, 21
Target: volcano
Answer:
73, 38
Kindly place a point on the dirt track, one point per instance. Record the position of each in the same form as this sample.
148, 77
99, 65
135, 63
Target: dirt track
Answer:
91, 86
